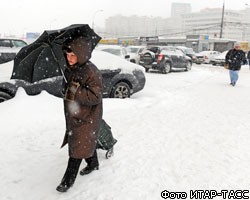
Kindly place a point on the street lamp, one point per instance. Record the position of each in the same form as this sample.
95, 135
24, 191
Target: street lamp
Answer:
245, 25
222, 19
93, 20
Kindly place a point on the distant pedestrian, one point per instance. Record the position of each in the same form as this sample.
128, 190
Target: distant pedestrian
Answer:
248, 58
235, 58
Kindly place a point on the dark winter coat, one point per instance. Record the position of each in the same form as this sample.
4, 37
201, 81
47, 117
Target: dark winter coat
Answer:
235, 58
248, 55
82, 103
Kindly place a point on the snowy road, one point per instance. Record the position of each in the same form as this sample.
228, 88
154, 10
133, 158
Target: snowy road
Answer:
185, 131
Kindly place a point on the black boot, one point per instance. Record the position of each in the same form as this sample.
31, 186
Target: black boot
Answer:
70, 175
92, 164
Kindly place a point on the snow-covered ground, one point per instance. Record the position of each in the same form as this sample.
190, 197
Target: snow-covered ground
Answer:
185, 131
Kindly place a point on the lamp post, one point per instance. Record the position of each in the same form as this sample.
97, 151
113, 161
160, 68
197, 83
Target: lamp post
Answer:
245, 24
222, 19
93, 20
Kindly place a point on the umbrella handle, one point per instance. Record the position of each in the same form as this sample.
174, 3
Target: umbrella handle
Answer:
62, 73
59, 66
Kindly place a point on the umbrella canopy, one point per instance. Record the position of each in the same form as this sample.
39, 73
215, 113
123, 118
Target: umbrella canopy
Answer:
44, 58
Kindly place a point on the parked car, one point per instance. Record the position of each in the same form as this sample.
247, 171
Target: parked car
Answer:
188, 52
115, 50
206, 56
134, 53
165, 59
121, 79
220, 59
9, 47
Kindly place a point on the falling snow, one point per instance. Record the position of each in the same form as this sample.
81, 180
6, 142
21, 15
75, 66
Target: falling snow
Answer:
183, 131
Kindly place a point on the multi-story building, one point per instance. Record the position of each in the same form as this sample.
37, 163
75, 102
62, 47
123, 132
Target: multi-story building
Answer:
209, 22
236, 25
119, 25
177, 9
246, 24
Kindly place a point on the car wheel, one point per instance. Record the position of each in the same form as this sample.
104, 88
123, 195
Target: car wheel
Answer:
4, 96
167, 68
189, 66
120, 90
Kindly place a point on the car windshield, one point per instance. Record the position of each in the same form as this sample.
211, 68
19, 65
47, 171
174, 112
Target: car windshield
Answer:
5, 43
189, 51
133, 49
116, 52
168, 52
19, 43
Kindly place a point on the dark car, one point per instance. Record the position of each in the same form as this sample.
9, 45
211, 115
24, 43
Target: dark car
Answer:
121, 79
189, 52
164, 59
9, 48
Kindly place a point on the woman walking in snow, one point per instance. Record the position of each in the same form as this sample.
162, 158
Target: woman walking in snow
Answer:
82, 108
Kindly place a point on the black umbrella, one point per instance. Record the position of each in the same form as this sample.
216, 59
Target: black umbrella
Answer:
44, 58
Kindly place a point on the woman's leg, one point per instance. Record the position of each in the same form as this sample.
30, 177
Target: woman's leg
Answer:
92, 164
70, 174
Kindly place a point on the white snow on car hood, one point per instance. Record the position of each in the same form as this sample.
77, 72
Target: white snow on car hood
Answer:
6, 70
101, 59
9, 50
104, 60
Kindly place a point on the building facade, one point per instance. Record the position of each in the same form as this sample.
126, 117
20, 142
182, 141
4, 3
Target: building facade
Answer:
209, 22
177, 9
235, 25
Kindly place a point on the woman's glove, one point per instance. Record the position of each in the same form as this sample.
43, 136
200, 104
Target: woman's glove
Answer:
71, 90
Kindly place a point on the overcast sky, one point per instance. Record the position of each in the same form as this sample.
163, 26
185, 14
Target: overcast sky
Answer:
21, 16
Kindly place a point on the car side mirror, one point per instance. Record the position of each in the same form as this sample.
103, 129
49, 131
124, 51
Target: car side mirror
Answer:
127, 56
